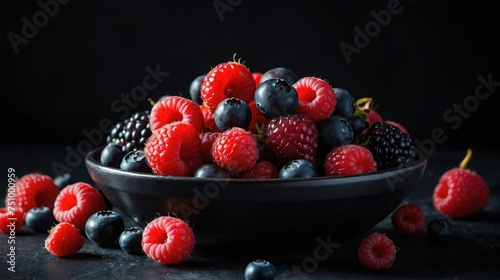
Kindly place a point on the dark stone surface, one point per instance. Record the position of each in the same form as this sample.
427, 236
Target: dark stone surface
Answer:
471, 252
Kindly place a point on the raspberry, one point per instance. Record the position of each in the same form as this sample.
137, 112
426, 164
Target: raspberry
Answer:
292, 137
317, 98
11, 221
461, 192
207, 139
168, 240
256, 77
262, 170
208, 119
349, 160
76, 203
132, 133
257, 118
34, 190
64, 240
174, 149
408, 219
377, 252
230, 79
174, 109
235, 150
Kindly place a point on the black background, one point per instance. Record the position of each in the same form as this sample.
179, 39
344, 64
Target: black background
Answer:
425, 61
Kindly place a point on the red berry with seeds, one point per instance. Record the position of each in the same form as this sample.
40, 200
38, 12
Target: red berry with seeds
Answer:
262, 170
174, 149
168, 240
349, 160
207, 139
317, 98
76, 203
408, 219
64, 240
461, 192
229, 79
34, 190
176, 109
235, 150
292, 137
11, 220
377, 252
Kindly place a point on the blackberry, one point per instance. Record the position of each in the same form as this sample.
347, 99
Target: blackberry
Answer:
389, 145
131, 133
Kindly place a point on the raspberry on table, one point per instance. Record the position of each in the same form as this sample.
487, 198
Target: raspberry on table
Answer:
317, 98
176, 109
235, 150
168, 240
6, 219
64, 240
349, 160
377, 251
76, 203
35, 190
174, 149
408, 219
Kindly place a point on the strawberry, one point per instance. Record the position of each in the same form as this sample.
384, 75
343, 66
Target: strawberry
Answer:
317, 98
76, 203
377, 252
168, 240
461, 192
292, 137
348, 160
235, 150
229, 79
64, 240
35, 190
11, 219
176, 108
174, 149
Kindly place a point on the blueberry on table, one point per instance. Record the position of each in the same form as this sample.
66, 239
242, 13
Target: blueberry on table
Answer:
438, 227
40, 219
298, 168
260, 270
275, 97
130, 240
104, 227
63, 180
232, 112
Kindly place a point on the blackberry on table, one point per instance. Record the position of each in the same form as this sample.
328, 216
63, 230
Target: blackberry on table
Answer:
389, 145
131, 133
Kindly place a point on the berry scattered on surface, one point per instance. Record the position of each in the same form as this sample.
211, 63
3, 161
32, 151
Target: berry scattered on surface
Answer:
461, 192
349, 160
280, 73
438, 228
262, 170
408, 219
275, 97
76, 203
64, 240
34, 190
130, 240
176, 109
131, 133
235, 150
298, 168
168, 240
316, 98
11, 221
232, 112
194, 89
174, 149
135, 161
377, 252
63, 180
112, 155
260, 270
104, 227
40, 219
210, 170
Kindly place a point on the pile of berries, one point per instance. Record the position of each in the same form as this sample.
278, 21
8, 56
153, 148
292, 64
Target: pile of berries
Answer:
242, 124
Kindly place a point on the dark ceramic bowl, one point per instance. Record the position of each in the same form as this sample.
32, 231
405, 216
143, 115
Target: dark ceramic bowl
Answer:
273, 219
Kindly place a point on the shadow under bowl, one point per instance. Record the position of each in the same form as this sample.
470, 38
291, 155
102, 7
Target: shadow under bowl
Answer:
271, 218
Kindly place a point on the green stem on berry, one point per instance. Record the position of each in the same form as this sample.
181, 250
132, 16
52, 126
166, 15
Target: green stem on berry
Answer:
466, 160
151, 102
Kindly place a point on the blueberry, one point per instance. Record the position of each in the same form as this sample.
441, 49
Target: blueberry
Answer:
439, 227
345, 105
260, 270
298, 168
130, 240
275, 97
40, 219
194, 89
104, 227
210, 170
358, 124
232, 112
112, 154
280, 73
135, 161
335, 131
63, 180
